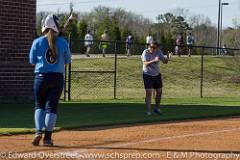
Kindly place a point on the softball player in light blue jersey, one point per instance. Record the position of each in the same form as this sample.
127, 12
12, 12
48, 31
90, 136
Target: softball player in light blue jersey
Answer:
49, 54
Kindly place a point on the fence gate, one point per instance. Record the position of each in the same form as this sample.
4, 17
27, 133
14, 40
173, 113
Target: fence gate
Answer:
91, 77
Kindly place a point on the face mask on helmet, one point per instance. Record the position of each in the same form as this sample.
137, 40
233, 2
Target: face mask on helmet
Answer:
52, 22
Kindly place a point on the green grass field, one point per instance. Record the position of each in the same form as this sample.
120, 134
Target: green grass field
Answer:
181, 77
18, 118
181, 92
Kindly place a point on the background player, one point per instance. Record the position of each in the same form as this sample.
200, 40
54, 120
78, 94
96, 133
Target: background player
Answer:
104, 44
190, 40
88, 42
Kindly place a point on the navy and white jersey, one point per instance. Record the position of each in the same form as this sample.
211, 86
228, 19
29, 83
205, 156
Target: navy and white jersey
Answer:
149, 39
152, 69
40, 55
88, 39
129, 39
190, 40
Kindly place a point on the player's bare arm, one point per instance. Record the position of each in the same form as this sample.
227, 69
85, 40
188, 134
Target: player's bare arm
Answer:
146, 63
167, 57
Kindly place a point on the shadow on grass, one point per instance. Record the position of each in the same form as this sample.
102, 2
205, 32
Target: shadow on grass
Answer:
86, 116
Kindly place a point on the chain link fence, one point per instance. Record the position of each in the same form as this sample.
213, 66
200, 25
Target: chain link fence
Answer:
116, 75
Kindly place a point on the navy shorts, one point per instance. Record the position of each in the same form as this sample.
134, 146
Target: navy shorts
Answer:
154, 82
129, 45
47, 91
190, 46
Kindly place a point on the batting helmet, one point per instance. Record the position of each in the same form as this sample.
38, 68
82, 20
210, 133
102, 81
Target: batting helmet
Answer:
52, 22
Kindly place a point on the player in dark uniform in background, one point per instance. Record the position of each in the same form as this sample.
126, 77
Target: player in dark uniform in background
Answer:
190, 41
179, 44
129, 43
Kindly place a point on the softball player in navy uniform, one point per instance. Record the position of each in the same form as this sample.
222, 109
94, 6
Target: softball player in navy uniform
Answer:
151, 75
49, 53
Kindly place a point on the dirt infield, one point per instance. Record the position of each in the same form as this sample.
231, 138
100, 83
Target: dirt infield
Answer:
205, 139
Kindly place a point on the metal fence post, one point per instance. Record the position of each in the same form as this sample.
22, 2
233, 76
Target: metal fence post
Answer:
65, 85
201, 76
115, 70
69, 69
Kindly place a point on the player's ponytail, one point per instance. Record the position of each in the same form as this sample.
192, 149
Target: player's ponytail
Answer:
50, 27
51, 36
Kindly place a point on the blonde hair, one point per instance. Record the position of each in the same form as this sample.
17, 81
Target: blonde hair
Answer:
51, 36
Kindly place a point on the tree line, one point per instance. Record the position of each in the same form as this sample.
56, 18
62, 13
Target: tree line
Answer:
120, 22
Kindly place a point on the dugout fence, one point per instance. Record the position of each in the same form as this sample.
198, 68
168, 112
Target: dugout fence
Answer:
204, 74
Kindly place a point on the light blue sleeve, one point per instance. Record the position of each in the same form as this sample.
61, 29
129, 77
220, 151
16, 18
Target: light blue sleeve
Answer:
33, 53
161, 55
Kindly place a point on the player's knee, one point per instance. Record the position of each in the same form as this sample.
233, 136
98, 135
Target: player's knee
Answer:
51, 110
39, 106
159, 92
148, 92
